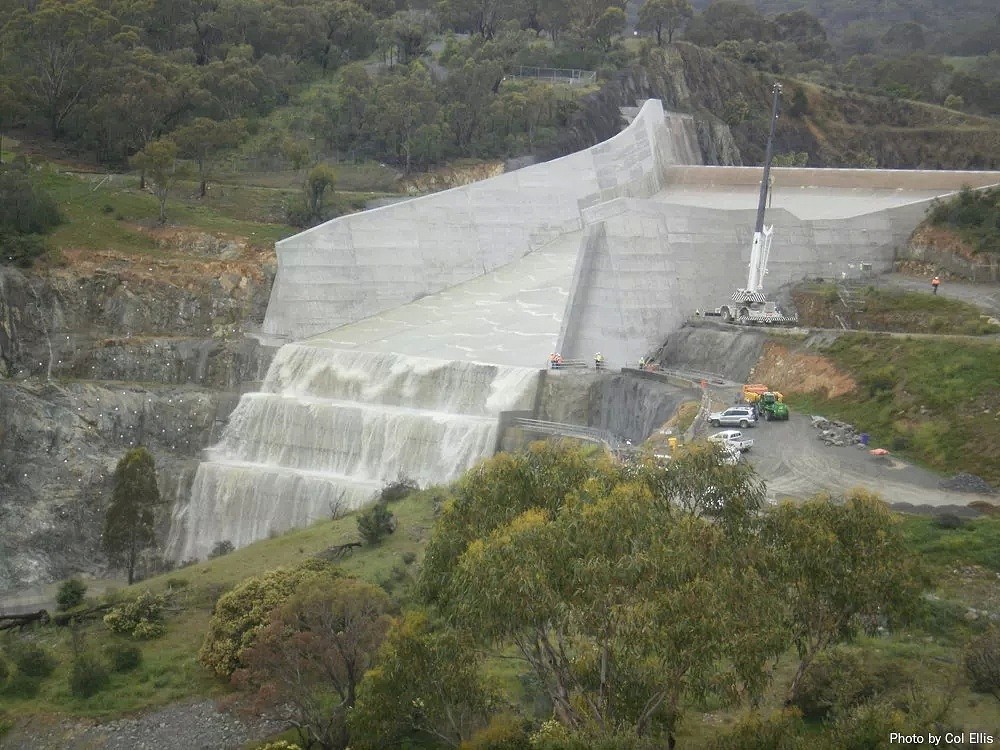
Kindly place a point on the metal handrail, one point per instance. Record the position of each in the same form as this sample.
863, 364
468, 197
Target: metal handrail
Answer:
581, 432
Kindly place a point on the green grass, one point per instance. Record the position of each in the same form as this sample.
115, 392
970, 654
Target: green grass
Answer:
933, 400
977, 542
105, 212
891, 310
170, 670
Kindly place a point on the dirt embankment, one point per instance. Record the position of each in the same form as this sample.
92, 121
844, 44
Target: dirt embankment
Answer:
800, 372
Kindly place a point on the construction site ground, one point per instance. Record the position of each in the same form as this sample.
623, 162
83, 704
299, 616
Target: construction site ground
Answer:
795, 462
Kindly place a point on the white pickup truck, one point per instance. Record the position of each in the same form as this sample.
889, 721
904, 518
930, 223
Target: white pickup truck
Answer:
733, 438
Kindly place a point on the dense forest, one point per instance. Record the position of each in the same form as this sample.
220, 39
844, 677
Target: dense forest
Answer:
419, 82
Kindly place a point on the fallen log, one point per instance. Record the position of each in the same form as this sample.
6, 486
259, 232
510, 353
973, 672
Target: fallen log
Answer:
9, 622
42, 617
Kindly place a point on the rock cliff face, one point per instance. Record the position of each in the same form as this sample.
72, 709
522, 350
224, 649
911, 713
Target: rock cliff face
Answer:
104, 353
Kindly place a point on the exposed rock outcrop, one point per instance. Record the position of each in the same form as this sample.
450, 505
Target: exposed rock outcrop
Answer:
106, 352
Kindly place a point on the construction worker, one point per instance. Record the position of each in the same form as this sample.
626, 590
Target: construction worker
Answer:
935, 283
599, 361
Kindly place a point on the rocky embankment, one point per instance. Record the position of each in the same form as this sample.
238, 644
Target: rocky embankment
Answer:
105, 352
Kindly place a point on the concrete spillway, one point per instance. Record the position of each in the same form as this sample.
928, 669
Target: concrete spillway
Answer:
330, 427
419, 323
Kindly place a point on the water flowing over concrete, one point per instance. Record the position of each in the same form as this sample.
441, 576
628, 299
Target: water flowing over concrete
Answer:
420, 322
330, 427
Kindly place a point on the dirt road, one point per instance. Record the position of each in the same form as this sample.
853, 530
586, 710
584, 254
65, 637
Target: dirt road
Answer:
984, 296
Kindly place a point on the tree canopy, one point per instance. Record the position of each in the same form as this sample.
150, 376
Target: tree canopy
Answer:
128, 523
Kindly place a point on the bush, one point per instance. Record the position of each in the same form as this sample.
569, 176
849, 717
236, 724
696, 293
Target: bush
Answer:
70, 594
20, 249
87, 677
395, 491
221, 548
782, 730
838, 680
123, 657
948, 521
504, 732
376, 523
982, 662
141, 617
31, 659
280, 745
240, 614
25, 208
4, 671
22, 686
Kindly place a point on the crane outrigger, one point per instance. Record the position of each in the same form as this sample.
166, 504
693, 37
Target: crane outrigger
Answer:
750, 305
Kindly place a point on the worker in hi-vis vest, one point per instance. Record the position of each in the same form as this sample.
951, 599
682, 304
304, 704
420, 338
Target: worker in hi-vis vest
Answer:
935, 283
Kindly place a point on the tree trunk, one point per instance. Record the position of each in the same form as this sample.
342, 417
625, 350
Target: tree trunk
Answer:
659, 35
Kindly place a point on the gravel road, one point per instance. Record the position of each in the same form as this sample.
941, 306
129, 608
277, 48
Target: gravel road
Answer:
984, 296
793, 461
190, 725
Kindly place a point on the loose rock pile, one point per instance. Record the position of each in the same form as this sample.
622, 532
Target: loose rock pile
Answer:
833, 432
965, 482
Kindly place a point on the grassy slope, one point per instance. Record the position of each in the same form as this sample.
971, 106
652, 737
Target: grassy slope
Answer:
932, 399
170, 670
930, 651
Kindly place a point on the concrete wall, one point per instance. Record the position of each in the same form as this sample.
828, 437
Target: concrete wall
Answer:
644, 266
359, 265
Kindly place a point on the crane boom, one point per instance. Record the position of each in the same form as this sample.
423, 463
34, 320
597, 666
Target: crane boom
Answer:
761, 248
751, 306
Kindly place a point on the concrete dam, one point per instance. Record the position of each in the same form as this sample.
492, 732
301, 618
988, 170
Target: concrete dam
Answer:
408, 329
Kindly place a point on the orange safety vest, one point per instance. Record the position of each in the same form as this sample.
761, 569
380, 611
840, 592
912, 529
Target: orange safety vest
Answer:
935, 281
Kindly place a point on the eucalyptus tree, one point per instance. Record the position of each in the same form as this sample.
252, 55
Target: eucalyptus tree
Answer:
623, 604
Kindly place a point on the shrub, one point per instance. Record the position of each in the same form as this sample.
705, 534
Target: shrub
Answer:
280, 745
839, 679
22, 686
87, 677
20, 249
241, 614
141, 617
504, 732
376, 523
221, 548
31, 659
4, 671
782, 730
948, 521
982, 662
395, 491
25, 208
70, 594
123, 657
409, 557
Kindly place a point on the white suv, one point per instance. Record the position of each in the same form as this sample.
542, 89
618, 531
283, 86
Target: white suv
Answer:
734, 416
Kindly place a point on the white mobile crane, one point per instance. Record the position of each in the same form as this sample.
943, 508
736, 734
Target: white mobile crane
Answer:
750, 305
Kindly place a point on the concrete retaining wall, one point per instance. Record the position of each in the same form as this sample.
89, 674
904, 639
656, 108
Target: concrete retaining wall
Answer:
359, 265
645, 267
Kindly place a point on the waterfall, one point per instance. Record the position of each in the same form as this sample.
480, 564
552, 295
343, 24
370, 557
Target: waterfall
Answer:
329, 428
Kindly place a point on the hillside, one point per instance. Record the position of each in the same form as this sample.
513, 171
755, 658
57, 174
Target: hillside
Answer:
834, 128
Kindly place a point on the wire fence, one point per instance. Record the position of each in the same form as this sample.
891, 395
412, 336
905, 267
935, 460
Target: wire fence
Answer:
571, 76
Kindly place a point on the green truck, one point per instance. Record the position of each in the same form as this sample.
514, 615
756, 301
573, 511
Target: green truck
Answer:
771, 407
